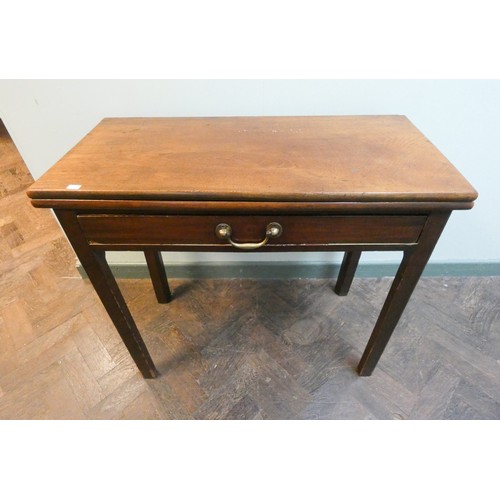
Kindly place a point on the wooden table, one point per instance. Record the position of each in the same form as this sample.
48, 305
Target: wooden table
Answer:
253, 184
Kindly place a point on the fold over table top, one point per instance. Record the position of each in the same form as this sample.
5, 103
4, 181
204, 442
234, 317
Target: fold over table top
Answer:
279, 159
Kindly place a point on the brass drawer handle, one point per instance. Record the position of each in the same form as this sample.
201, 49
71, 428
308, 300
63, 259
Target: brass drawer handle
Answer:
273, 230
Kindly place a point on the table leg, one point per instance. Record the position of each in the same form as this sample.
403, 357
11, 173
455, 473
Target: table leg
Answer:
346, 273
409, 272
158, 276
101, 277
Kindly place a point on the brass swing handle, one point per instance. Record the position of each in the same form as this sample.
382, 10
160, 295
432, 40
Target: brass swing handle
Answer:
273, 230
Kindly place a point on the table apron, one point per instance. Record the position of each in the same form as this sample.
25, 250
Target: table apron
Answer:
300, 233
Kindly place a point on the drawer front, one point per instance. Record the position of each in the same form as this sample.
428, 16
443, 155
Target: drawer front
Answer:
187, 230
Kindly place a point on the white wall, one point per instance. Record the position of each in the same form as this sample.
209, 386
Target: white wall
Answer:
461, 117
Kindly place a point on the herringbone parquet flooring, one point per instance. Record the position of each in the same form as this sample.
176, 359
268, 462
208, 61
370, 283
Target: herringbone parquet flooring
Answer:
230, 349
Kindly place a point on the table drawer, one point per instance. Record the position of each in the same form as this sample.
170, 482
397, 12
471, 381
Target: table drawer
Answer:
296, 230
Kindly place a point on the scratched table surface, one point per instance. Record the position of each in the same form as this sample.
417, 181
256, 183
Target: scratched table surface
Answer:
320, 158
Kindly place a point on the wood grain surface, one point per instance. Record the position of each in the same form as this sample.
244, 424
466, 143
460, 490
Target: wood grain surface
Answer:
297, 230
320, 158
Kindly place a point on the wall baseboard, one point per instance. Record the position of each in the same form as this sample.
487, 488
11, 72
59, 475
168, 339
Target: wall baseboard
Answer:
295, 270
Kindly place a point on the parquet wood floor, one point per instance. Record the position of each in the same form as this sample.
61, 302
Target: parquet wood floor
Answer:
230, 349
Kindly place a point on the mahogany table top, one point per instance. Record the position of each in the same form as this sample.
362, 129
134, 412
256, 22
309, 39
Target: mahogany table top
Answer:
293, 159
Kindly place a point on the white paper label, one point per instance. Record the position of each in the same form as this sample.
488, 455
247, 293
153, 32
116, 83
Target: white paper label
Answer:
73, 186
